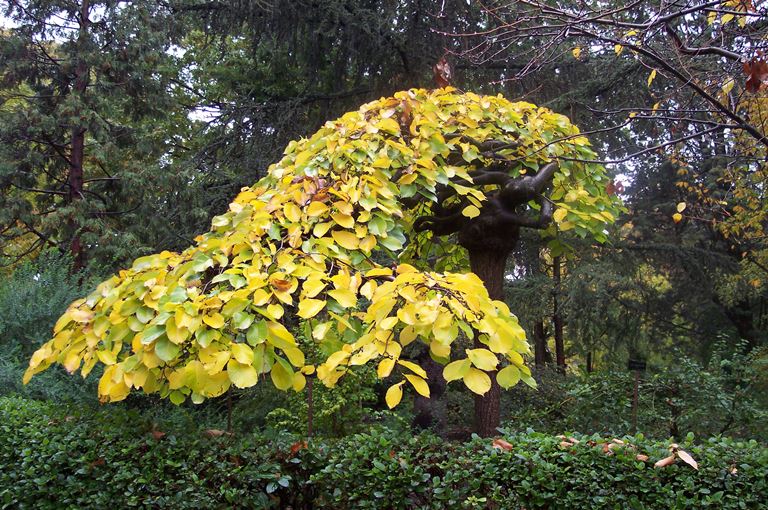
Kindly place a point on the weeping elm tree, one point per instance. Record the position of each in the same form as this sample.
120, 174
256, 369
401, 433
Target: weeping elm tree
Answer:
357, 242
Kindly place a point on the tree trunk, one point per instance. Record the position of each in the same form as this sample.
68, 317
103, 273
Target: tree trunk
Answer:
77, 143
557, 318
489, 266
539, 344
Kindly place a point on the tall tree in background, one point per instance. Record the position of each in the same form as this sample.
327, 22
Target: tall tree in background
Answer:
81, 83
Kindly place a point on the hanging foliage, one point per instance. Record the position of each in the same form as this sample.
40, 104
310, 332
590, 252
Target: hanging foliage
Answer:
298, 257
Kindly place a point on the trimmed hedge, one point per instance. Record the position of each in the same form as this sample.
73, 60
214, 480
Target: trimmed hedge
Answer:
54, 457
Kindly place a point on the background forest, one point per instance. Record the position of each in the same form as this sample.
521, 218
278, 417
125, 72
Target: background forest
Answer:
125, 127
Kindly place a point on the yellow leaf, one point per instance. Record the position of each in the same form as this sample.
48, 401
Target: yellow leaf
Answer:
216, 321
242, 376
477, 381
316, 208
385, 367
470, 211
389, 125
321, 229
292, 212
295, 356
344, 297
559, 215
456, 369
508, 376
419, 384
281, 377
677, 217
299, 382
618, 48
651, 77
726, 18
576, 52
346, 239
81, 316
345, 220
388, 323
483, 359
394, 394
383, 162
728, 86
242, 353
413, 367
379, 271
681, 207
303, 157
275, 311
368, 243
310, 307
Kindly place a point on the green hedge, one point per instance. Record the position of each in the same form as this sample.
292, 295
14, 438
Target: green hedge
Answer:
54, 457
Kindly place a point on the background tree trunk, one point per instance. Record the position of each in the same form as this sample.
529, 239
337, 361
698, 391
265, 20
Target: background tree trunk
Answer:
557, 318
75, 180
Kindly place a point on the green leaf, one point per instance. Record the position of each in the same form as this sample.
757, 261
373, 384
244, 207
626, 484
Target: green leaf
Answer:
257, 333
508, 376
281, 378
166, 350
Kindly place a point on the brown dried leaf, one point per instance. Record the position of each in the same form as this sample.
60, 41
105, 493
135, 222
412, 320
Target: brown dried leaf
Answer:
757, 74
502, 444
281, 285
157, 434
688, 459
641, 457
666, 461
297, 446
216, 433
443, 73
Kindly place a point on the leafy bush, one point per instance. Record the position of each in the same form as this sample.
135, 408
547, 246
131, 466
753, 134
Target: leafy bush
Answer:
727, 396
52, 457
32, 298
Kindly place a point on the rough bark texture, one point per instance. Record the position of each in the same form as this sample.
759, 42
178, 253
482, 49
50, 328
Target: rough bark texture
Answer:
489, 265
540, 351
77, 145
428, 411
557, 318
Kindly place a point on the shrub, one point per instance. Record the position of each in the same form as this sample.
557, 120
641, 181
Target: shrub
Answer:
54, 457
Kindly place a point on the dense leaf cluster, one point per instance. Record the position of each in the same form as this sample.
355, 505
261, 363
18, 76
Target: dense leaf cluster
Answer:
58, 458
297, 248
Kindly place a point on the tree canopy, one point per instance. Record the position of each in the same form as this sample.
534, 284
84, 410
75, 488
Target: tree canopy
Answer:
336, 246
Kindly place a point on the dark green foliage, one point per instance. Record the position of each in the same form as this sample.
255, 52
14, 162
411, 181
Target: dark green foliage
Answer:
726, 396
32, 298
53, 457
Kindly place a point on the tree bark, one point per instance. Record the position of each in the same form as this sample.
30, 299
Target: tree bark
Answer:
75, 179
557, 318
539, 344
489, 265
